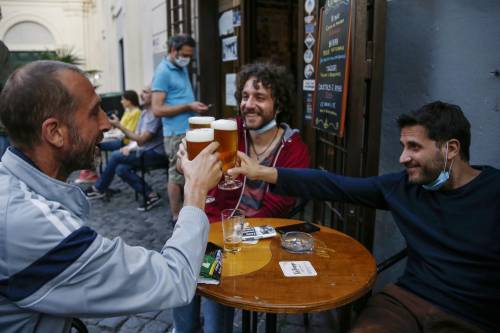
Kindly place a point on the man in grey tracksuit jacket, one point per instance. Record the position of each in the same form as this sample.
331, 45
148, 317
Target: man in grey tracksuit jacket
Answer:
53, 267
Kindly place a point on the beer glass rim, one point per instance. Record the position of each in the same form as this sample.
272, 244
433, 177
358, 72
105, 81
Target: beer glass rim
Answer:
224, 125
231, 212
201, 120
200, 135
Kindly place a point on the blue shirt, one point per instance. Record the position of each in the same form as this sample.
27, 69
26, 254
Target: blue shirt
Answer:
174, 82
453, 237
149, 123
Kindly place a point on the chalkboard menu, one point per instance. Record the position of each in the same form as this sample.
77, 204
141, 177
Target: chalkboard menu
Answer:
332, 67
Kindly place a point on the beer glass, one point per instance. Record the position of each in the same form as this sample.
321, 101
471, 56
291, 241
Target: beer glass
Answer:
233, 221
226, 134
200, 122
196, 141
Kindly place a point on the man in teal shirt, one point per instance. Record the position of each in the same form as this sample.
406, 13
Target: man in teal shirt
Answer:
173, 101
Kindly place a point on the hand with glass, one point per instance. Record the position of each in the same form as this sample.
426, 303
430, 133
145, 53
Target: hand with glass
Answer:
226, 134
199, 140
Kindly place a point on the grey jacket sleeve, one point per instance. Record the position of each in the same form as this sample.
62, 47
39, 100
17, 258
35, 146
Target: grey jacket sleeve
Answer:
111, 278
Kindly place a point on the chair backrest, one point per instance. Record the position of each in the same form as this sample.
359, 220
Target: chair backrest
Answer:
298, 209
79, 326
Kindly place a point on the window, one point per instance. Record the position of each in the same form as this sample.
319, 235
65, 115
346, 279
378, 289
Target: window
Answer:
179, 17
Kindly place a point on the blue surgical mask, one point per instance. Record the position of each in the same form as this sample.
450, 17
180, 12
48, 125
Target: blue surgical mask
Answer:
182, 61
442, 178
266, 127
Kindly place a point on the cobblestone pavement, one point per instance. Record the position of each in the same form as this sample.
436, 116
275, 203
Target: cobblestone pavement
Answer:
117, 216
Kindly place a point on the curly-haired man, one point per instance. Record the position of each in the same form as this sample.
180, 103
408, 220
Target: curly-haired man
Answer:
265, 94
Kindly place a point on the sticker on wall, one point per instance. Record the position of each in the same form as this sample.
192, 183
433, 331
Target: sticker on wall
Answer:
309, 6
308, 56
308, 71
308, 85
309, 28
308, 19
230, 48
236, 18
309, 41
230, 89
226, 23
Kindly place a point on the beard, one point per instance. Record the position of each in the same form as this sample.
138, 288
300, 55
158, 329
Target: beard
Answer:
81, 155
254, 123
421, 174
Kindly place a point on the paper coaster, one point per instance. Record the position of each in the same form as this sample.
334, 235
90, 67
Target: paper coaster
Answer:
297, 268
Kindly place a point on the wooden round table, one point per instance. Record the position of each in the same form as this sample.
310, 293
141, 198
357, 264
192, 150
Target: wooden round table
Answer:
253, 280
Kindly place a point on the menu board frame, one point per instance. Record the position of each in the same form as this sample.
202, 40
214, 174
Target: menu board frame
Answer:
332, 86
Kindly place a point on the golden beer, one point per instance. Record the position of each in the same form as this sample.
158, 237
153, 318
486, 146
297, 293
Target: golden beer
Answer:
226, 134
197, 140
200, 122
232, 245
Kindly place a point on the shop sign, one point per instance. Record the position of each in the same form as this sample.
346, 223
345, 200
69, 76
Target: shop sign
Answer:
308, 85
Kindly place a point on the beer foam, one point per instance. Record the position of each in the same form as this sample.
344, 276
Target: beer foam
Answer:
201, 120
200, 135
225, 125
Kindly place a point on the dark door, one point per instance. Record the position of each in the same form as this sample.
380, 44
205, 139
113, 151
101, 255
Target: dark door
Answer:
357, 153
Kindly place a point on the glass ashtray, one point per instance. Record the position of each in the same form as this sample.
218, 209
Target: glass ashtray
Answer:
297, 242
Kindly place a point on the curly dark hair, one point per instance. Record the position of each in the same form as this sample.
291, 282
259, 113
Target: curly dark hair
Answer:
274, 77
443, 122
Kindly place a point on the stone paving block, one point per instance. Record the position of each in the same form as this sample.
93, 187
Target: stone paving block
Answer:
127, 330
91, 321
112, 323
148, 315
93, 329
135, 323
156, 327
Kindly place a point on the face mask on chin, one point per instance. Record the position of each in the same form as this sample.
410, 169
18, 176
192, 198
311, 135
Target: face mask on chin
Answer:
443, 176
182, 61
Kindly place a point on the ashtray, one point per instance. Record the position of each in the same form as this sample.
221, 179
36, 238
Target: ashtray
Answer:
297, 242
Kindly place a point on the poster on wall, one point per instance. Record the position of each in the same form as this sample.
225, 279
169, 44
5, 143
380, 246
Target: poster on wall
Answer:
332, 67
230, 89
236, 18
230, 48
226, 23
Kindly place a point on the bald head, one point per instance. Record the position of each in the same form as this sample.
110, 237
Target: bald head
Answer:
32, 94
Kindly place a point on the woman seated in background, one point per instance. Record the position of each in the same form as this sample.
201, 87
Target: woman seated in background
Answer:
147, 141
116, 138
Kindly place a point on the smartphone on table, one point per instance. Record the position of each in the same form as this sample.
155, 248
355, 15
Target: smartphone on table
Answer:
304, 227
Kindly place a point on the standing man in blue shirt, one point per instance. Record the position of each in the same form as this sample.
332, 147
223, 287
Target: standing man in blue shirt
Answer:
173, 101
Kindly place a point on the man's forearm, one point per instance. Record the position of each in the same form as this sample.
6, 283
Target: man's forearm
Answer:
194, 195
170, 110
129, 134
267, 174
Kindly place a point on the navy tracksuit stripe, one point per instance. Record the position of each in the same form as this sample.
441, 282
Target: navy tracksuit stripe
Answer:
24, 283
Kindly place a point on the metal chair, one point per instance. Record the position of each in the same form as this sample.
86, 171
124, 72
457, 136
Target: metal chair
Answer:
143, 170
78, 326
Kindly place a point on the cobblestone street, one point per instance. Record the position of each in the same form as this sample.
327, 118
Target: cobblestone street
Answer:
117, 216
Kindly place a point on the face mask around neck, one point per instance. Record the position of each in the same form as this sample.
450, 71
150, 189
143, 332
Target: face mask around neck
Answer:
442, 178
266, 127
